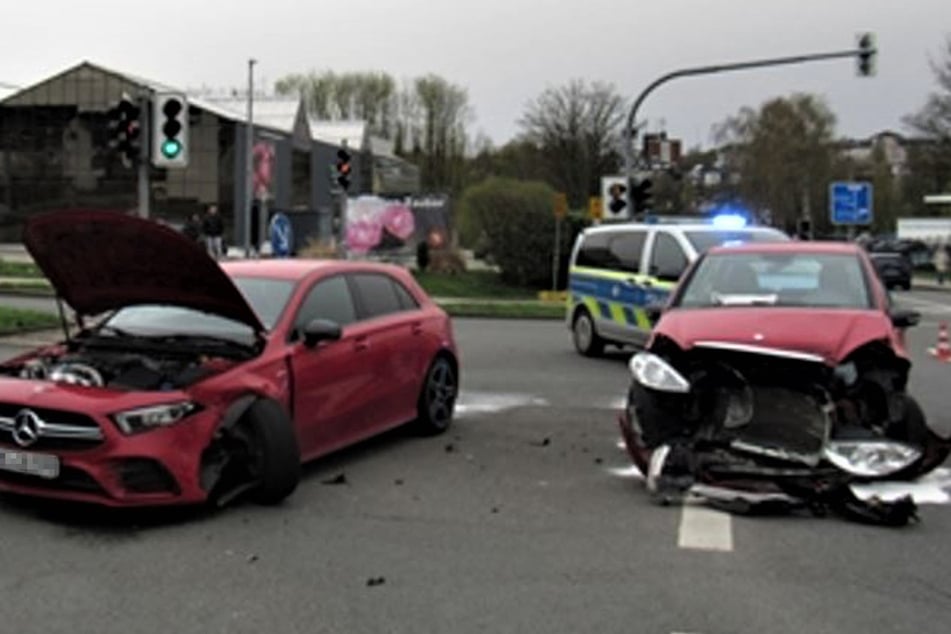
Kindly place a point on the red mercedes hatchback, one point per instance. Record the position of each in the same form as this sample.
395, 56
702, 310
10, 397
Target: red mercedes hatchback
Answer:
192, 381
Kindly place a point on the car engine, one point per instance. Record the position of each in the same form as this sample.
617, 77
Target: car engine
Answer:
116, 370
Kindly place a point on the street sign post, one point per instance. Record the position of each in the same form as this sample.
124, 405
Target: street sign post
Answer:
282, 236
615, 199
850, 203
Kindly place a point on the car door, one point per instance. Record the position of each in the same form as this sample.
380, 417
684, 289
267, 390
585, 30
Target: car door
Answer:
621, 288
331, 381
393, 332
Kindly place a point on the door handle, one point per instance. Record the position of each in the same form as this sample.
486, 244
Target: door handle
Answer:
417, 328
361, 343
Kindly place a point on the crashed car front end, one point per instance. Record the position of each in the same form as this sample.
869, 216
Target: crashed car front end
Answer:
750, 425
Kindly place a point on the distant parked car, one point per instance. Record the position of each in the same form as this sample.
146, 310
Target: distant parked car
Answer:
894, 269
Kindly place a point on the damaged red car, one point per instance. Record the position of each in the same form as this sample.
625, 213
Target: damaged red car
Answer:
189, 381
777, 373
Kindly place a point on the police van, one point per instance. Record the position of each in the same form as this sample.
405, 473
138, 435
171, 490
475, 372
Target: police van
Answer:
619, 273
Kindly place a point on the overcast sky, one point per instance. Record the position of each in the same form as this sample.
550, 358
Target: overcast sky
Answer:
505, 52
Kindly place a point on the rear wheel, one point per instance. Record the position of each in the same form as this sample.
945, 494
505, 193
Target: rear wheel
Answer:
437, 398
585, 337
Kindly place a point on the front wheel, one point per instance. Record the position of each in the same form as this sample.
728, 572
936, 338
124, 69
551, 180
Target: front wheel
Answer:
585, 337
258, 455
437, 398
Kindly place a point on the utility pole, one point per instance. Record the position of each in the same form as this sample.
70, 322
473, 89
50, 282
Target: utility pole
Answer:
865, 53
249, 161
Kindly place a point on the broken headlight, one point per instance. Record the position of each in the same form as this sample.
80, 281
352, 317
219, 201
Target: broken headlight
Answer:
870, 458
653, 372
145, 418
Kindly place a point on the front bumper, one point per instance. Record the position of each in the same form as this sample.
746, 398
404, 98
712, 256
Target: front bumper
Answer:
155, 468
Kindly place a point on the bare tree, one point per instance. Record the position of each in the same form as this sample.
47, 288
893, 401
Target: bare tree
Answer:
933, 122
575, 128
784, 155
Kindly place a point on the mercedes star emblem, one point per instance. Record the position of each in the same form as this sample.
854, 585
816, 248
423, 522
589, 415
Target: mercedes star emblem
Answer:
26, 427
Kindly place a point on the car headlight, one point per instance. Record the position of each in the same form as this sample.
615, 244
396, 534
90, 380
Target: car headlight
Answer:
144, 418
871, 458
651, 371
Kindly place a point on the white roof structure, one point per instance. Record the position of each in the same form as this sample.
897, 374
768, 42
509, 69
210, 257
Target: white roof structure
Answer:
353, 134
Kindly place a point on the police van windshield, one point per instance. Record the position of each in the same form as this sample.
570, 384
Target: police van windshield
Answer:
703, 240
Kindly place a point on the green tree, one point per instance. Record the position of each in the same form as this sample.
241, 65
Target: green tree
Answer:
575, 130
784, 155
368, 96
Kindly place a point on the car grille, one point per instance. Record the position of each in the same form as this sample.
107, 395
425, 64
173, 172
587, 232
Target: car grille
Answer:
56, 430
786, 423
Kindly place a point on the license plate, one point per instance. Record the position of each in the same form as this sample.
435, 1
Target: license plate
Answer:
37, 464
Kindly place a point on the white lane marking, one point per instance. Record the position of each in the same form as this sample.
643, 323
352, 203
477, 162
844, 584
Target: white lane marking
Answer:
703, 528
627, 472
494, 402
933, 488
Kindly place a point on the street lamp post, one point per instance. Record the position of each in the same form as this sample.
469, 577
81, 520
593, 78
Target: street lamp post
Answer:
249, 161
631, 159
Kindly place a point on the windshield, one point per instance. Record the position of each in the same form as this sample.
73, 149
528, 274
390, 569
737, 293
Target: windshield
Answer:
704, 240
801, 279
267, 296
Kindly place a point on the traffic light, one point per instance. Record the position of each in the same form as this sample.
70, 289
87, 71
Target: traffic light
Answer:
866, 56
125, 130
343, 169
170, 130
641, 196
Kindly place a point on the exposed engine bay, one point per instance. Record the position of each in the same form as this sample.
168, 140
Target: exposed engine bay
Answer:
122, 370
749, 428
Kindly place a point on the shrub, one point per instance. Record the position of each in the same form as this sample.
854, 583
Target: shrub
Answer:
517, 219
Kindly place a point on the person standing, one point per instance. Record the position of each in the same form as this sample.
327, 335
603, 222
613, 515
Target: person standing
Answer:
940, 261
192, 227
213, 227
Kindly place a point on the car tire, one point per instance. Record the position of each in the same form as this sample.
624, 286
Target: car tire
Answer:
914, 429
585, 337
906, 286
277, 459
437, 397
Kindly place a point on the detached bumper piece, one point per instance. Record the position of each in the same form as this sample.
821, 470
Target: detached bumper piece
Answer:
673, 476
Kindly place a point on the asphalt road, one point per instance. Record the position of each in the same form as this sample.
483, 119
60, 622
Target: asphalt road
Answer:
525, 517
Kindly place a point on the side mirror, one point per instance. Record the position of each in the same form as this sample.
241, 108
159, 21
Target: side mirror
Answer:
905, 318
321, 330
654, 311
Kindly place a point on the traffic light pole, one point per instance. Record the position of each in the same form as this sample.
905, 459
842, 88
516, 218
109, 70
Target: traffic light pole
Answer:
145, 122
631, 159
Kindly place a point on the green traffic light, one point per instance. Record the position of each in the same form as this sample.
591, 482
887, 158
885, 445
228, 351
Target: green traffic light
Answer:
171, 148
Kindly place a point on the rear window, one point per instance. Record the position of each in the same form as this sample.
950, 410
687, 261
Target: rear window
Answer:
703, 240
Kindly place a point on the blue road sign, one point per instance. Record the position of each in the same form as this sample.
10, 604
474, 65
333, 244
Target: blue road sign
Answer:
850, 203
282, 235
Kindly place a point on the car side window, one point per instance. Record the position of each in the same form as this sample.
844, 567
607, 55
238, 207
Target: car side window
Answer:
594, 251
668, 261
378, 295
407, 301
328, 299
627, 248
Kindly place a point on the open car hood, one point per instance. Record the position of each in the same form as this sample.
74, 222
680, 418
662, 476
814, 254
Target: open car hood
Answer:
828, 333
99, 261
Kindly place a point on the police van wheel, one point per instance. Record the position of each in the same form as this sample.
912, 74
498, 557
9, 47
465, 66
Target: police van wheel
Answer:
586, 339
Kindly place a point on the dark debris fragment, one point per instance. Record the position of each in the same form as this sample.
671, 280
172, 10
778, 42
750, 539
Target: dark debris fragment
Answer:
338, 479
